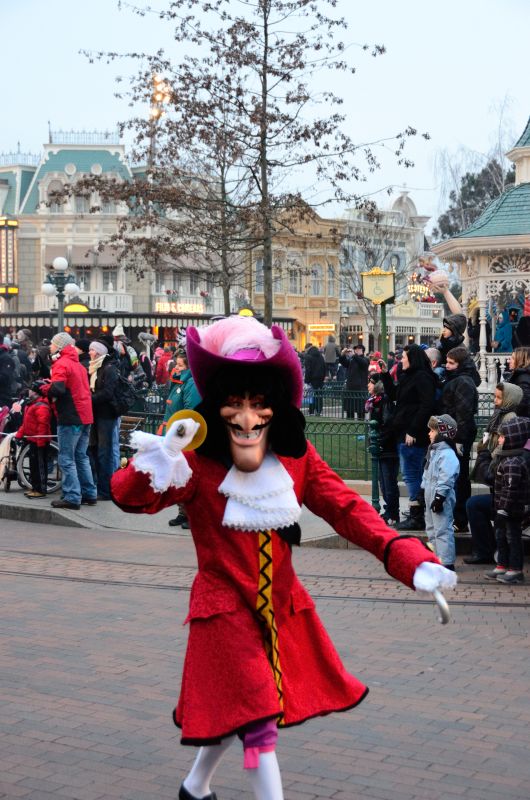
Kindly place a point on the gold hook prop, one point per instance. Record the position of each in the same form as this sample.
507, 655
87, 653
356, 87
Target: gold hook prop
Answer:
189, 413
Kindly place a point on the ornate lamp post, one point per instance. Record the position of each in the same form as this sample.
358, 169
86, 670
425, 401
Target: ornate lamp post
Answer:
59, 284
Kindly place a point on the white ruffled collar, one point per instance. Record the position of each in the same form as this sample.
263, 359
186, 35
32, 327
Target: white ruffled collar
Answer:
260, 500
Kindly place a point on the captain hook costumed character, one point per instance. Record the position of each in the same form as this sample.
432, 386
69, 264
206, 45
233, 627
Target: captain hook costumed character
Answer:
258, 656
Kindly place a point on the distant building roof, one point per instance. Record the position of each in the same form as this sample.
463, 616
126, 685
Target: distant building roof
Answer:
524, 139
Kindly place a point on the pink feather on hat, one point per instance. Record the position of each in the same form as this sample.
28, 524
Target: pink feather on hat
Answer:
231, 336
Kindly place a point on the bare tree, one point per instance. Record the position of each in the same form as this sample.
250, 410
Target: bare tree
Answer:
250, 85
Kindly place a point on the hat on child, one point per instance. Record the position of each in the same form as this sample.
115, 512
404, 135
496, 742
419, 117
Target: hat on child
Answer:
62, 340
445, 425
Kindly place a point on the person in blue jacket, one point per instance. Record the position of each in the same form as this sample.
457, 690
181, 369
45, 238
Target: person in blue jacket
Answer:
183, 394
439, 479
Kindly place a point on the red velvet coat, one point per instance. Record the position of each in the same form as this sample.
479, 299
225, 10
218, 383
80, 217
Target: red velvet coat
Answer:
228, 681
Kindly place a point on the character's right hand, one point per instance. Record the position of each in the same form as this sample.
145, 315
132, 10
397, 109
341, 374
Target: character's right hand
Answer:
180, 435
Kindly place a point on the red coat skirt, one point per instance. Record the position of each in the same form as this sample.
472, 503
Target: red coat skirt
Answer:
257, 648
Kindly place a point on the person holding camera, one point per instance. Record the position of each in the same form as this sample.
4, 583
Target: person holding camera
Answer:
356, 366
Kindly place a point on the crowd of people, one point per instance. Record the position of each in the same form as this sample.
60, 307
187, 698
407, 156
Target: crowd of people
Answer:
425, 400
75, 391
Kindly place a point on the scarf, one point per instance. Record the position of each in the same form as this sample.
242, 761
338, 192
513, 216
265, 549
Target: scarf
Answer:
93, 370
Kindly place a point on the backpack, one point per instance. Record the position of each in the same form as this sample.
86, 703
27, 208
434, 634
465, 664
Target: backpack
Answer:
124, 396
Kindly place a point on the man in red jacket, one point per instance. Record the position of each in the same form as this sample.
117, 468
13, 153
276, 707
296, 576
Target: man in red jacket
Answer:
69, 393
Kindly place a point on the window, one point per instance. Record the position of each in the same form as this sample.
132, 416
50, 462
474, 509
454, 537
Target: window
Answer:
83, 277
160, 282
194, 282
332, 287
55, 206
316, 279
81, 204
277, 281
259, 275
209, 284
108, 207
295, 281
110, 279
174, 281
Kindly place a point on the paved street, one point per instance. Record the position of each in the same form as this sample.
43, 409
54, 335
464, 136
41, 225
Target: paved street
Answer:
91, 650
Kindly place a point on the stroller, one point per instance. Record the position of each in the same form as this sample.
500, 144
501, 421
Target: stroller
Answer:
14, 455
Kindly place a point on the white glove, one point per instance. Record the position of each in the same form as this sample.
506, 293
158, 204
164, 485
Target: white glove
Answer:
180, 435
161, 457
429, 576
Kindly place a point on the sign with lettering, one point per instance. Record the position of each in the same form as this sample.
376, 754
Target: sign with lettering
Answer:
166, 307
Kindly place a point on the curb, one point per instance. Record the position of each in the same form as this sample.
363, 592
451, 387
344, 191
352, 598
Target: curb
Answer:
42, 516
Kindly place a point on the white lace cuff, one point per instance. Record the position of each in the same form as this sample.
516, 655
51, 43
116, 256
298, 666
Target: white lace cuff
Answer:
164, 468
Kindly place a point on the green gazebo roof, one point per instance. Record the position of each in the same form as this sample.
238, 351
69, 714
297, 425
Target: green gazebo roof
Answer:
524, 139
507, 215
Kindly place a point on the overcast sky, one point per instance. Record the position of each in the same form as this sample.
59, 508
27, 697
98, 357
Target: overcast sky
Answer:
448, 68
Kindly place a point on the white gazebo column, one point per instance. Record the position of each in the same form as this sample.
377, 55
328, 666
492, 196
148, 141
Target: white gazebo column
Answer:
464, 302
391, 340
482, 304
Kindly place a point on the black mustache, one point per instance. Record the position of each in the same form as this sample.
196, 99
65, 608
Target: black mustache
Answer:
237, 427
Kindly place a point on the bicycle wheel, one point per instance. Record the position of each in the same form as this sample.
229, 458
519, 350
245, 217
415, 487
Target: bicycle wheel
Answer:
54, 472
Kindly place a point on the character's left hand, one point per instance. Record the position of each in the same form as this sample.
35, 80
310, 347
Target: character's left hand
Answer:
429, 576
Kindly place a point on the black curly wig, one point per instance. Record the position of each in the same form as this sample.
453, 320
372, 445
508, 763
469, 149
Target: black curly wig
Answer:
286, 431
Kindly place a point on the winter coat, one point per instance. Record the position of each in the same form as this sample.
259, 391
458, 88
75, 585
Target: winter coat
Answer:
315, 368
36, 423
69, 390
227, 679
331, 352
521, 377
84, 359
415, 398
441, 472
512, 470
356, 371
104, 389
145, 363
460, 399
381, 409
8, 380
183, 394
43, 363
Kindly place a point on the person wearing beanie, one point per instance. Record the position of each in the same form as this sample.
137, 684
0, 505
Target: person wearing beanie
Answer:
438, 483
69, 394
511, 499
454, 327
258, 656
82, 345
479, 507
103, 378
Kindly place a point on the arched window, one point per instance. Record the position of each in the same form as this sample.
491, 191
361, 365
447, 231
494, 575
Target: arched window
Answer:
332, 286
295, 280
55, 206
259, 275
316, 279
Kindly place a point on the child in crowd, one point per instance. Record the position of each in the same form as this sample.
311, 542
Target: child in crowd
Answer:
36, 428
479, 507
439, 480
380, 408
511, 499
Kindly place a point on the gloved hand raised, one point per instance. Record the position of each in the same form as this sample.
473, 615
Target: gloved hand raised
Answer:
437, 504
180, 434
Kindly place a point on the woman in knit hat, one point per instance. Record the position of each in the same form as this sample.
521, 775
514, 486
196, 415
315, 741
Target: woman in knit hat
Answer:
103, 377
258, 656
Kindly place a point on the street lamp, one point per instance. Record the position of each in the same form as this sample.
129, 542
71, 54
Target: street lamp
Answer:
58, 284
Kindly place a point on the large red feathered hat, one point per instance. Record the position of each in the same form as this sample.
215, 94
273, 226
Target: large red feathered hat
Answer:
245, 341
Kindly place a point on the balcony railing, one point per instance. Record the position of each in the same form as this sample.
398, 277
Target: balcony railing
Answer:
96, 301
